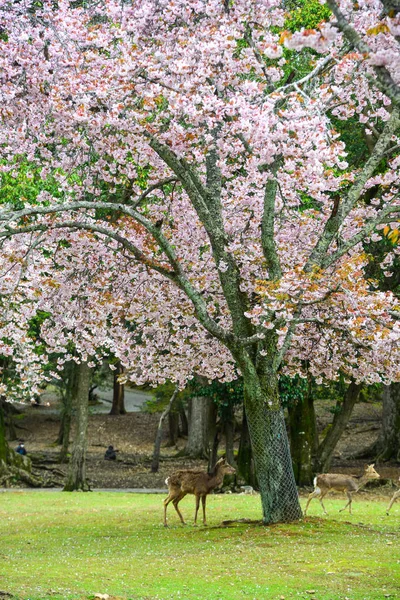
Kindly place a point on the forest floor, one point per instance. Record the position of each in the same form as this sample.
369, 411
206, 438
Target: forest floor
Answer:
133, 435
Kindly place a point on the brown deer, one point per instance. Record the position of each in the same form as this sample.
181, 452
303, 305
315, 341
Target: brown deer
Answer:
197, 482
340, 483
395, 495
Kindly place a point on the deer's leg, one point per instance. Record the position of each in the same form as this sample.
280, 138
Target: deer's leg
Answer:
175, 502
322, 504
313, 494
203, 501
166, 502
197, 508
348, 504
393, 500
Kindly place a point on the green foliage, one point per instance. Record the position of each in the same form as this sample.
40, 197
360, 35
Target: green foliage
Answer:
64, 546
225, 395
21, 183
292, 389
305, 14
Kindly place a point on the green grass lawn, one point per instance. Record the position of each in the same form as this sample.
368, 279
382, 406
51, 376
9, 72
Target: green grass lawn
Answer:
72, 546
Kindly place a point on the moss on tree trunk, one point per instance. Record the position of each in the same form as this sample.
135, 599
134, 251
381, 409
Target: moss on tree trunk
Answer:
270, 447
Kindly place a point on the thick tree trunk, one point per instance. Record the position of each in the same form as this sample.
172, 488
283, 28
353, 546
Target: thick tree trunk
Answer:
118, 403
68, 400
245, 463
340, 420
200, 409
76, 478
303, 439
388, 443
270, 444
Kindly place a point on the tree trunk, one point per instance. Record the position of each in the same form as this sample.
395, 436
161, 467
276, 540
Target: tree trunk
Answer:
157, 443
76, 478
340, 420
173, 427
303, 439
68, 400
199, 427
245, 463
184, 425
270, 445
388, 443
3, 441
214, 450
229, 430
118, 403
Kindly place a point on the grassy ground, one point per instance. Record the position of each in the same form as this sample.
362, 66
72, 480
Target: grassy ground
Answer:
72, 546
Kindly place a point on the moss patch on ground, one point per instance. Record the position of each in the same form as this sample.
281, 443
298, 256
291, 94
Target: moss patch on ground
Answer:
74, 546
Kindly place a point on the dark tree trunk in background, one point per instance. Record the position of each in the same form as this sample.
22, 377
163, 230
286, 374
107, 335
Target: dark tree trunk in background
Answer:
340, 420
184, 425
388, 443
76, 477
173, 426
201, 409
68, 400
229, 431
3, 441
118, 403
214, 449
245, 463
303, 439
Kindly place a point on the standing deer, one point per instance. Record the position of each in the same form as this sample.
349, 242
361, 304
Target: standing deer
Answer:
197, 482
395, 495
339, 483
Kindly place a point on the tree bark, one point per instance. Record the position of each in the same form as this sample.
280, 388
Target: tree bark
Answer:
229, 430
342, 416
157, 444
303, 439
388, 443
245, 463
270, 444
173, 426
68, 400
118, 403
76, 478
199, 427
3, 440
184, 424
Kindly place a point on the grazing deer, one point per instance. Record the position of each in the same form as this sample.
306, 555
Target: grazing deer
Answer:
395, 495
197, 482
339, 483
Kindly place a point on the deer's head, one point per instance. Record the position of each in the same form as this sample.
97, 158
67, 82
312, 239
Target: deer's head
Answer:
371, 473
225, 467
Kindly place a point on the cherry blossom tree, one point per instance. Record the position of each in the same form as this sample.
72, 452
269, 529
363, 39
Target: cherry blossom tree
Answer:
206, 220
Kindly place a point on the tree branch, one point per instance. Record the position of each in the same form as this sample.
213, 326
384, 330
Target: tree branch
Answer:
385, 81
268, 223
336, 220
